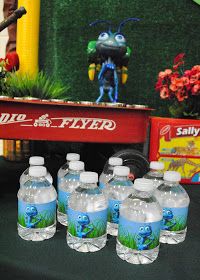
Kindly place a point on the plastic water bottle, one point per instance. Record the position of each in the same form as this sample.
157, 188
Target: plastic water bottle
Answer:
139, 225
37, 206
34, 161
175, 201
117, 189
87, 215
67, 185
64, 168
107, 173
156, 173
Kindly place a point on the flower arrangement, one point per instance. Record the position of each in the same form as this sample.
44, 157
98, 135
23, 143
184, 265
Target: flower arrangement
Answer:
182, 87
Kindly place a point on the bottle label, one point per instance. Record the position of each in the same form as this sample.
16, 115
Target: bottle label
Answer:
31, 215
87, 224
63, 198
139, 236
174, 219
113, 210
101, 185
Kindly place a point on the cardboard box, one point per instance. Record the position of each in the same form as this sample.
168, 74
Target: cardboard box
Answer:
176, 142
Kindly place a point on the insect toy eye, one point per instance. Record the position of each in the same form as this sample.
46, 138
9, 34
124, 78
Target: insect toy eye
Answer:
147, 228
103, 36
120, 38
141, 228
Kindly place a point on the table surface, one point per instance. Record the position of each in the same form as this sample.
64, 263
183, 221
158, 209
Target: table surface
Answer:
53, 259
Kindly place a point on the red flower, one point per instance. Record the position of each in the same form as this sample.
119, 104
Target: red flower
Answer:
181, 95
178, 84
179, 58
12, 61
164, 93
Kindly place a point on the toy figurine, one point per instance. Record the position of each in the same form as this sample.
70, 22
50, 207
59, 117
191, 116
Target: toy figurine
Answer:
109, 55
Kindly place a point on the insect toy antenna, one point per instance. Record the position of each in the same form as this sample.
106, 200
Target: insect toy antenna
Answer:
101, 21
125, 21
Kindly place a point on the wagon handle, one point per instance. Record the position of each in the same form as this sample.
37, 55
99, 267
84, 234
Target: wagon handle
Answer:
12, 18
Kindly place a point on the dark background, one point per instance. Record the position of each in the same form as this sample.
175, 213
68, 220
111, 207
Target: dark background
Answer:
167, 28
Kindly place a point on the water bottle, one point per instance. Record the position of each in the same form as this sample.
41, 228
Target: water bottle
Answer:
174, 201
156, 173
37, 206
139, 225
87, 215
117, 189
67, 185
107, 173
64, 168
34, 161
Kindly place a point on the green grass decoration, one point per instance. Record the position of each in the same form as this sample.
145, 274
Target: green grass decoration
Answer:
38, 86
130, 241
47, 220
99, 229
61, 207
180, 224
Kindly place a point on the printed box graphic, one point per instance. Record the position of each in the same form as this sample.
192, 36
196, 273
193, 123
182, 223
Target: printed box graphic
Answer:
176, 142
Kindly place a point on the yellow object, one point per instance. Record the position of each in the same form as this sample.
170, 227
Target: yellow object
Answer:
124, 74
28, 36
186, 152
91, 71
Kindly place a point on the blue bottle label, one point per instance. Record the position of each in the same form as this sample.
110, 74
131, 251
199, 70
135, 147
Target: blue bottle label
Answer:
174, 219
113, 210
31, 215
63, 198
139, 236
101, 185
87, 224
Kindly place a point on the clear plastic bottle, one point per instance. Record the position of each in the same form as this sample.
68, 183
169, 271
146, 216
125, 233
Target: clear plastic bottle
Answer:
87, 215
156, 173
34, 161
175, 201
67, 185
37, 206
139, 225
64, 168
107, 173
117, 189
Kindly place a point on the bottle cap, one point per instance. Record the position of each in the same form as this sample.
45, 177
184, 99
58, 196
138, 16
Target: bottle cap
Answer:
72, 156
172, 176
37, 171
76, 165
157, 165
36, 160
115, 161
142, 184
89, 177
121, 170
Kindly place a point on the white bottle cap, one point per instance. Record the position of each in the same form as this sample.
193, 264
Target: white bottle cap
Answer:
76, 165
89, 177
172, 176
115, 161
121, 170
36, 160
72, 156
142, 184
157, 165
37, 171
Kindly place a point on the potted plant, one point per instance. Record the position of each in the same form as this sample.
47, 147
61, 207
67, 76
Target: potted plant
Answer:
175, 140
